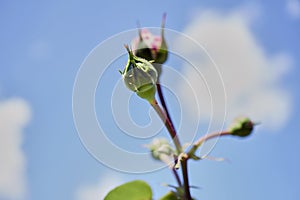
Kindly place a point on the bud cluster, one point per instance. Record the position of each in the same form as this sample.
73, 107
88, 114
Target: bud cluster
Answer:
144, 63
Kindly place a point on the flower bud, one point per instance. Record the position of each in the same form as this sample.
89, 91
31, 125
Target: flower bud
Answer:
241, 127
140, 76
162, 150
151, 47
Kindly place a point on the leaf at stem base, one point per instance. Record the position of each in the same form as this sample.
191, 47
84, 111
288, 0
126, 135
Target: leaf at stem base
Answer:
134, 190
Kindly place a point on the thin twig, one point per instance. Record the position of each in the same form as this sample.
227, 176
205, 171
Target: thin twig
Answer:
177, 177
198, 143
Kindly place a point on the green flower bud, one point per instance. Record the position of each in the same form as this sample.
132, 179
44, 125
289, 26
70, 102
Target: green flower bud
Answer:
140, 76
162, 150
151, 47
241, 127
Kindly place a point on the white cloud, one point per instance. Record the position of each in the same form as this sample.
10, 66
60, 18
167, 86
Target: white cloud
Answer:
14, 116
251, 76
293, 8
98, 190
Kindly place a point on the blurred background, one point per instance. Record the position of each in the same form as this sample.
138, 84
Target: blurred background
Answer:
43, 43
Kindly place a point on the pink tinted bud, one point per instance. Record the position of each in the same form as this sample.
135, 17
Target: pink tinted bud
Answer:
151, 47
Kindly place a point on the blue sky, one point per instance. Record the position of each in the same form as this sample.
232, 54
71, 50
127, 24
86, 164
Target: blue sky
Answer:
43, 45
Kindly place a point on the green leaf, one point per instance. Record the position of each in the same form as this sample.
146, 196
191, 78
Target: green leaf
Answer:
170, 196
134, 190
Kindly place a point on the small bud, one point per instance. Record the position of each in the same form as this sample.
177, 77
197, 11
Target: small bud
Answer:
140, 76
151, 47
162, 150
241, 127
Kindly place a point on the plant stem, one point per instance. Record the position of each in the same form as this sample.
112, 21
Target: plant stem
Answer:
165, 108
163, 104
198, 143
184, 167
165, 119
168, 124
177, 177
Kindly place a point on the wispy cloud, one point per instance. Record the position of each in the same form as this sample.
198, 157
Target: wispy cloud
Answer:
99, 189
14, 116
251, 75
293, 8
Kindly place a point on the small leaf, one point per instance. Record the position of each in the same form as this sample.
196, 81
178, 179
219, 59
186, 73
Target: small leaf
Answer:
170, 196
134, 190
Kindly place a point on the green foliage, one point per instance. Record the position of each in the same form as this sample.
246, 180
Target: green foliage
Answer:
170, 196
134, 190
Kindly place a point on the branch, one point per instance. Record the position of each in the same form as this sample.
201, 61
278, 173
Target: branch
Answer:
199, 142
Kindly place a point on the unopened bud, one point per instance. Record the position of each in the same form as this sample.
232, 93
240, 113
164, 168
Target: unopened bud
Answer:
162, 150
151, 47
140, 76
241, 127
